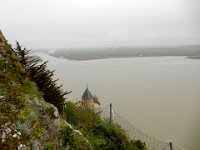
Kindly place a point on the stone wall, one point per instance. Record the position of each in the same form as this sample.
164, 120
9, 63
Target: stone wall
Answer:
88, 103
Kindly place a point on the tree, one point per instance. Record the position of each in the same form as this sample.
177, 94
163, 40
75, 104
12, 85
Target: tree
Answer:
42, 76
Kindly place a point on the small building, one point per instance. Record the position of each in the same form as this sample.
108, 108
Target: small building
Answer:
88, 100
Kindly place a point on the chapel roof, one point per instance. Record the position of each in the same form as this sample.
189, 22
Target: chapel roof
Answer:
87, 95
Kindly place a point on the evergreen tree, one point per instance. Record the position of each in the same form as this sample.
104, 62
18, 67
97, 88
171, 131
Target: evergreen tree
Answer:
42, 76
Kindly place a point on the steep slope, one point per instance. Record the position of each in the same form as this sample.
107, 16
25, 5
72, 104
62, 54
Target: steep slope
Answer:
26, 120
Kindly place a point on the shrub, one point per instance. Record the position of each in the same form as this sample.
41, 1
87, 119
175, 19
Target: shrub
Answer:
99, 132
70, 113
30, 88
49, 146
2, 90
67, 137
81, 118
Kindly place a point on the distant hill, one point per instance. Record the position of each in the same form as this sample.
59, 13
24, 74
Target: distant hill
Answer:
100, 53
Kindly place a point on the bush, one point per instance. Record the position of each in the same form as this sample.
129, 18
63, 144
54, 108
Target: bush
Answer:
99, 132
2, 90
70, 113
49, 146
80, 118
68, 138
30, 87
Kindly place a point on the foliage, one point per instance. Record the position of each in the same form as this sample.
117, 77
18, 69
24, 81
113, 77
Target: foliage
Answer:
113, 137
81, 118
139, 144
70, 113
68, 138
49, 146
99, 132
73, 141
42, 76
2, 89
30, 87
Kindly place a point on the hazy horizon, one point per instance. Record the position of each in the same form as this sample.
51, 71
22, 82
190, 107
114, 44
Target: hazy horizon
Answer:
118, 47
100, 23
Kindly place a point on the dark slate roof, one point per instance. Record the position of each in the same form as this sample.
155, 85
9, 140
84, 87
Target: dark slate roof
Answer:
87, 95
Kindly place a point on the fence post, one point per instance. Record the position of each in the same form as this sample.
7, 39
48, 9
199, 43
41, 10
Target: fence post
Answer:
171, 146
110, 114
62, 107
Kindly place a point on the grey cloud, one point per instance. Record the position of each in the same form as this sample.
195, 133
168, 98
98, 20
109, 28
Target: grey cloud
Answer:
78, 23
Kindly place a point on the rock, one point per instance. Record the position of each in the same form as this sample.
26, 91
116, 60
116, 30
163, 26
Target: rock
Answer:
56, 113
21, 147
3, 135
36, 144
3, 140
59, 122
19, 133
37, 102
14, 135
7, 130
69, 125
78, 132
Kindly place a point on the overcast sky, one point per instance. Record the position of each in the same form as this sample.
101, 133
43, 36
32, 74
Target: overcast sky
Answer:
99, 23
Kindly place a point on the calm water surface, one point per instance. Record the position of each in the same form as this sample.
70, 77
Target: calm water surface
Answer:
159, 95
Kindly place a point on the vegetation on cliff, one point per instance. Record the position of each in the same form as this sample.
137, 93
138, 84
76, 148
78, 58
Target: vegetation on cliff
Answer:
101, 135
29, 118
26, 120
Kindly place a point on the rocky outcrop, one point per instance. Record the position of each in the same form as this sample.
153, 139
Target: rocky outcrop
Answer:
37, 126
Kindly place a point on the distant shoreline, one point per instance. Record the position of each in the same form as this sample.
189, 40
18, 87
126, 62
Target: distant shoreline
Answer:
105, 53
87, 59
99, 58
91, 54
194, 57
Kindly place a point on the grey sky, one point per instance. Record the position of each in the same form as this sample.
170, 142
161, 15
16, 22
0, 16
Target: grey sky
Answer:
94, 23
